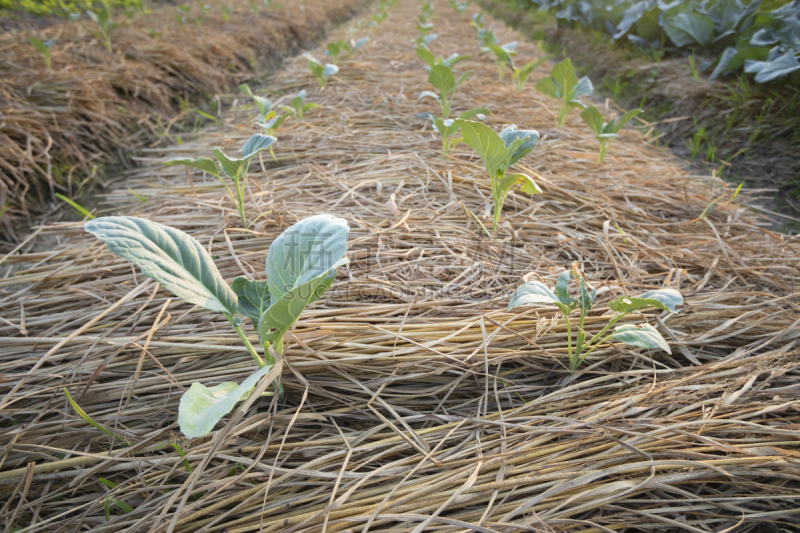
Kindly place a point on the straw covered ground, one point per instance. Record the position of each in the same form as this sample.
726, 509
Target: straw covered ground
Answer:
62, 126
414, 401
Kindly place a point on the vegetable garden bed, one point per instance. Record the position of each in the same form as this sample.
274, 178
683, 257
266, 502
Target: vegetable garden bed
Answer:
414, 399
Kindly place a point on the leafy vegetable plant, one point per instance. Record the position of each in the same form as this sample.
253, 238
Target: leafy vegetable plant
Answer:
348, 48
268, 118
298, 106
564, 86
499, 152
234, 168
44, 48
477, 21
503, 55
605, 131
520, 75
301, 265
320, 71
487, 37
643, 335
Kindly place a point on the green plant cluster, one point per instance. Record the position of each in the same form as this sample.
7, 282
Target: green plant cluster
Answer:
68, 8
760, 37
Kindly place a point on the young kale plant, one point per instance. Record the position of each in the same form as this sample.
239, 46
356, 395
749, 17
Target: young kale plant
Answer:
565, 87
320, 71
268, 118
298, 106
499, 152
441, 77
520, 75
643, 335
44, 48
234, 168
605, 132
503, 55
301, 265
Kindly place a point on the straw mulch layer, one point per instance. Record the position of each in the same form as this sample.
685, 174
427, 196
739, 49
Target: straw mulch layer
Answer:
414, 401
94, 107
760, 145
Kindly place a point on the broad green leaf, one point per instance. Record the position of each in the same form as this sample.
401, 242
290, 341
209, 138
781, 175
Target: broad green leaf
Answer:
668, 297
453, 59
203, 163
518, 142
532, 293
264, 104
310, 248
644, 336
587, 295
255, 144
784, 65
329, 70
359, 43
593, 118
253, 298
169, 256
624, 119
584, 87
487, 143
446, 127
234, 167
202, 407
548, 87
426, 56
687, 28
441, 78
563, 74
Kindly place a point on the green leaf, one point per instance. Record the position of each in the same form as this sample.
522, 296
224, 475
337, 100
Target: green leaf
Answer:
203, 163
474, 112
548, 87
441, 78
587, 295
301, 266
593, 118
202, 407
75, 205
426, 55
255, 144
518, 142
264, 104
624, 119
782, 66
234, 167
563, 74
253, 298
687, 28
487, 143
329, 70
669, 297
124, 507
528, 185
561, 290
584, 87
644, 336
532, 293
428, 94
169, 256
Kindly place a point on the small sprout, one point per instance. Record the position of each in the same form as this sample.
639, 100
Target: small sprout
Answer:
564, 86
477, 21
503, 55
263, 104
499, 152
320, 71
235, 168
300, 266
605, 132
334, 49
268, 118
103, 20
354, 46
44, 48
643, 335
299, 107
425, 41
520, 75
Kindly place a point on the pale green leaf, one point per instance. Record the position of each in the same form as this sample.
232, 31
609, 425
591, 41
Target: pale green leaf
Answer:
532, 293
202, 407
644, 336
203, 163
169, 256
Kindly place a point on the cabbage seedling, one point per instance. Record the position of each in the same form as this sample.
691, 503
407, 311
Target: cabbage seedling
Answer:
320, 71
44, 48
499, 152
354, 46
487, 37
605, 131
301, 265
503, 55
643, 335
234, 168
334, 49
268, 118
425, 41
425, 27
477, 21
520, 75
431, 60
565, 87
299, 107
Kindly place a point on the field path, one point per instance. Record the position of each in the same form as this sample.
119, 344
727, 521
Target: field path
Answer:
414, 401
